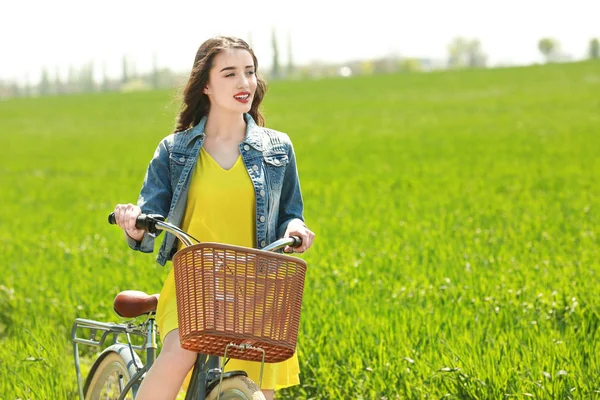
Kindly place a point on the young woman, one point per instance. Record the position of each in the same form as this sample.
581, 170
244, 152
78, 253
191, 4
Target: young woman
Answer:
222, 177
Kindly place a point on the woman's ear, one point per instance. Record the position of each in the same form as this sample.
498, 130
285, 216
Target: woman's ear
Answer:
205, 91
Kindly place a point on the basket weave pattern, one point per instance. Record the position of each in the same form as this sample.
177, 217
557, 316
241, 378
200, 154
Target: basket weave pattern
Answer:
232, 294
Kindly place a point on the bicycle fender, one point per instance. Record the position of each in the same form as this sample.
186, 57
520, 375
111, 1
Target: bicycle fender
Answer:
133, 364
212, 384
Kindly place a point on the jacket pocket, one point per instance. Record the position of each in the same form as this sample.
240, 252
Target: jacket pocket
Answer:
274, 165
277, 160
177, 159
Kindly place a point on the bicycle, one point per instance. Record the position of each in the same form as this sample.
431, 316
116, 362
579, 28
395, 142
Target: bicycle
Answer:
231, 300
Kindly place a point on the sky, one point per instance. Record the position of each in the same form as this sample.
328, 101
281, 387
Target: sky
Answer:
56, 34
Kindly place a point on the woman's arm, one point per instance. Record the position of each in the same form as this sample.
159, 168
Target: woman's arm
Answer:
291, 207
155, 195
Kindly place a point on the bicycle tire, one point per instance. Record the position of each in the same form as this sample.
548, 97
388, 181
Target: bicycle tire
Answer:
112, 366
237, 387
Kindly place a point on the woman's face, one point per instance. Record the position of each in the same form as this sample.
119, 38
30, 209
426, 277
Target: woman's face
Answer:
232, 81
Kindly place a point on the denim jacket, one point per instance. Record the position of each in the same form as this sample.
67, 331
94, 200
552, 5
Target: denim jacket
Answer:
269, 158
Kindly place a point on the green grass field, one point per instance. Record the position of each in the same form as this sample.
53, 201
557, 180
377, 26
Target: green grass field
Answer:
456, 213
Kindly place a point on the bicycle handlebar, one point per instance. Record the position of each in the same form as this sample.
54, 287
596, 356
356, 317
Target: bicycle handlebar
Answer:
152, 223
145, 222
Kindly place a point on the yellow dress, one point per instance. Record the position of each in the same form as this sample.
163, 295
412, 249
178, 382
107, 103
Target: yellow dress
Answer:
221, 208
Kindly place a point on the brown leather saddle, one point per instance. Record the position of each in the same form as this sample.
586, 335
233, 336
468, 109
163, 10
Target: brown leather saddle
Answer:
133, 303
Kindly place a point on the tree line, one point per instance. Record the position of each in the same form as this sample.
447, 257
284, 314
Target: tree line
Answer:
462, 53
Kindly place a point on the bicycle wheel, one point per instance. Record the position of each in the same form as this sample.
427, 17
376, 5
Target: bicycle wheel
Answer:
238, 388
109, 379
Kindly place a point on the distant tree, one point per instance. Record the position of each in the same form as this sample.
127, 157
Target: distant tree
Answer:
91, 85
549, 48
476, 57
314, 70
154, 72
463, 53
27, 86
125, 75
409, 65
15, 90
385, 65
166, 77
290, 67
133, 72
105, 80
456, 52
86, 78
44, 87
58, 85
72, 80
367, 67
594, 51
275, 70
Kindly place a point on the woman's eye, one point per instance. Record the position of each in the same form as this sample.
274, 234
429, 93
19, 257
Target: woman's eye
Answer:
233, 74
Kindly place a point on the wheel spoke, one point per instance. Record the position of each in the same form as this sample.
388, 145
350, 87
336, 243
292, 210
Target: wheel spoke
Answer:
110, 379
113, 386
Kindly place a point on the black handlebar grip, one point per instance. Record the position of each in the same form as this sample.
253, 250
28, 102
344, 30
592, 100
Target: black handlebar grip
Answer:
145, 222
297, 241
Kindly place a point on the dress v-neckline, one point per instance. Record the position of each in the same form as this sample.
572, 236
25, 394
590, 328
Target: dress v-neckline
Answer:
219, 165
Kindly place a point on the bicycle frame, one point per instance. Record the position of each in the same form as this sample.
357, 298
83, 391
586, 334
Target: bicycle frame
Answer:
207, 369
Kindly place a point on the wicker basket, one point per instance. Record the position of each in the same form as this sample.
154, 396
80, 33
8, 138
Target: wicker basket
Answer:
232, 294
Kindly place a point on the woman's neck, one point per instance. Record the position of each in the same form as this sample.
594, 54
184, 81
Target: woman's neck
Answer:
224, 125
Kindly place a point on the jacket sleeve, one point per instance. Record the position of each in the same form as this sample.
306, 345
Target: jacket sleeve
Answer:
155, 195
291, 204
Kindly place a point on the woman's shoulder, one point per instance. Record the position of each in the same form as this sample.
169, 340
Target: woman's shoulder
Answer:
275, 139
265, 138
179, 140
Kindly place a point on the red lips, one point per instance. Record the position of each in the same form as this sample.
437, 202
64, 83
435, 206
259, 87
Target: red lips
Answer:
242, 97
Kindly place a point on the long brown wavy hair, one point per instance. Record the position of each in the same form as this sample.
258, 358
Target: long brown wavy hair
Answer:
196, 103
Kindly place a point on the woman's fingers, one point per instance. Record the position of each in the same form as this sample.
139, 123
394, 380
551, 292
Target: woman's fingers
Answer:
131, 214
126, 216
307, 237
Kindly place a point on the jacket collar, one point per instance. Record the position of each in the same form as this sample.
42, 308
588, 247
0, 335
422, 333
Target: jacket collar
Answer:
253, 132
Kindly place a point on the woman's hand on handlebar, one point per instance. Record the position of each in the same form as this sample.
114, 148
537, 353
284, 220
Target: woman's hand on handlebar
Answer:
297, 228
126, 215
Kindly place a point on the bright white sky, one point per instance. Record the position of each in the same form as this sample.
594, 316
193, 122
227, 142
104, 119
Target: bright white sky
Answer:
59, 33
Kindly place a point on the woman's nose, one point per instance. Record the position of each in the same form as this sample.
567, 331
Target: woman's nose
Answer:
243, 82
